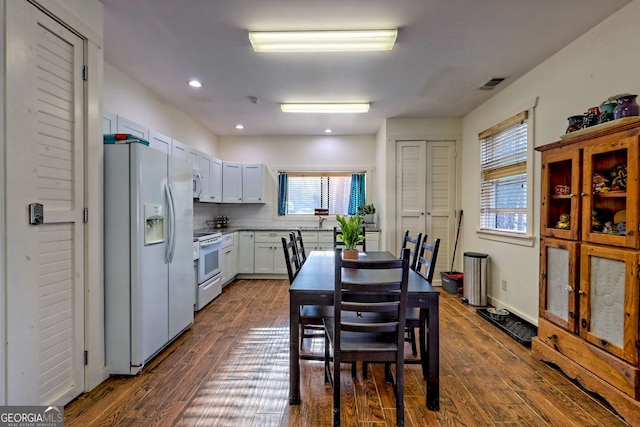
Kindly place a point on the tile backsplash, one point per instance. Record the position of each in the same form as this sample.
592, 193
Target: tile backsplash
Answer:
251, 215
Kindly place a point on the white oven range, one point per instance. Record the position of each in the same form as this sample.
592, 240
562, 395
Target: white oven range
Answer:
208, 284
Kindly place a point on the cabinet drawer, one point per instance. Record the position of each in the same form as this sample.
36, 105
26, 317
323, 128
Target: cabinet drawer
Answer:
227, 240
271, 236
325, 237
309, 236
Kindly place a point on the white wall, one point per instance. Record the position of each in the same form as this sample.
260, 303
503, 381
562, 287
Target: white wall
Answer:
601, 63
381, 181
299, 150
129, 98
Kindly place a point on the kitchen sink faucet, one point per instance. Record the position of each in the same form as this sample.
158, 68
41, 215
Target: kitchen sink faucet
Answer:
321, 219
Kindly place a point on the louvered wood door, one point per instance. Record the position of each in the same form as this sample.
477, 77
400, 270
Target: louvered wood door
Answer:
440, 201
425, 189
44, 164
410, 189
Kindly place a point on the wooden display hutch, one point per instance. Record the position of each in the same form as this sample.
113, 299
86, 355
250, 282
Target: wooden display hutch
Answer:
589, 256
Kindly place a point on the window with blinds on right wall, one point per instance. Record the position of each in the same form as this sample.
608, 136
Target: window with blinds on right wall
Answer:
504, 199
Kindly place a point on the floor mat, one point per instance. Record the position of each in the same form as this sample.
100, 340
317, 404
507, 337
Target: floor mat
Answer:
516, 327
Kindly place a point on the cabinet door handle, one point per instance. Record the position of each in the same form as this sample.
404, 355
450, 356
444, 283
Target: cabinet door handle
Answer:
583, 194
581, 292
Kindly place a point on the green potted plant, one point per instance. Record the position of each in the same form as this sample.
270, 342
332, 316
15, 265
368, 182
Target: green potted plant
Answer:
350, 227
367, 212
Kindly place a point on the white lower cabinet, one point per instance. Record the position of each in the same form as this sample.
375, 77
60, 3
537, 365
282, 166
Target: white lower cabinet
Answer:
260, 252
373, 240
323, 240
317, 241
246, 254
229, 261
269, 255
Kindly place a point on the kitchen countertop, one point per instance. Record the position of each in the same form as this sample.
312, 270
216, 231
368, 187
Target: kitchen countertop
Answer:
272, 228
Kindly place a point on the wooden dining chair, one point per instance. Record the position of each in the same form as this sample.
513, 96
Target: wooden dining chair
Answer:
413, 243
297, 237
370, 303
337, 243
311, 316
425, 266
291, 258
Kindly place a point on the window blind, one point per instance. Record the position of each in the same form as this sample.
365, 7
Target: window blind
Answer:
307, 191
503, 204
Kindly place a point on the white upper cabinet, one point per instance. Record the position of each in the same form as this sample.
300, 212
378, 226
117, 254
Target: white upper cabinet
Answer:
205, 175
109, 123
231, 182
253, 182
160, 142
215, 179
132, 128
179, 150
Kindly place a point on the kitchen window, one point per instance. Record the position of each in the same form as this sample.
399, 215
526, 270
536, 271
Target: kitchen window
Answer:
505, 199
301, 193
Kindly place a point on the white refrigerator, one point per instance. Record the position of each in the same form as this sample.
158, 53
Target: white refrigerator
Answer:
148, 235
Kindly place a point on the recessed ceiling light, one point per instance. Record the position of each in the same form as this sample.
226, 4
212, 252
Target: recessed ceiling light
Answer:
349, 107
239, 127
195, 83
322, 41
328, 130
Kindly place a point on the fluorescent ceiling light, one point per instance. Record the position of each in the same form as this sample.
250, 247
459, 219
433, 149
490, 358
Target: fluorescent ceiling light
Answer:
361, 107
322, 41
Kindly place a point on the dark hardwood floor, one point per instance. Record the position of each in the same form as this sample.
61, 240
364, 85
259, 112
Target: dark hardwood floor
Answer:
231, 369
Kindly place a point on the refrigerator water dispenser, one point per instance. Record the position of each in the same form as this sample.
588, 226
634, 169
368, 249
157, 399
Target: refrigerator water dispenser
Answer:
153, 224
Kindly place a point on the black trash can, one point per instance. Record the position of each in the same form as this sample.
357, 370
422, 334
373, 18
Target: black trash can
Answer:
475, 279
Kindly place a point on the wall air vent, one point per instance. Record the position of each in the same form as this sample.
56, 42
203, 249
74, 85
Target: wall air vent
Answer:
491, 84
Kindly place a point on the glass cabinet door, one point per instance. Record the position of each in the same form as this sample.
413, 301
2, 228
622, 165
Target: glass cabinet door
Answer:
561, 185
609, 191
558, 282
609, 300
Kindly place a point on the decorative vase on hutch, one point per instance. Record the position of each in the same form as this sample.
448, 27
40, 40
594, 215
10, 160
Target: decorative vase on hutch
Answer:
627, 107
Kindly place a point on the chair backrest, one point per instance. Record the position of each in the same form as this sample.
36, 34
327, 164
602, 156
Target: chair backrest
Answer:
427, 258
290, 258
339, 243
413, 243
369, 301
296, 236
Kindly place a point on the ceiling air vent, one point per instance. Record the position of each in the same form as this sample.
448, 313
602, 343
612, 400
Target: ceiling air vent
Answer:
491, 84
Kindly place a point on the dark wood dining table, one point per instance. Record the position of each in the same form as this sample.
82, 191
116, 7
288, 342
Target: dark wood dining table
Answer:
314, 285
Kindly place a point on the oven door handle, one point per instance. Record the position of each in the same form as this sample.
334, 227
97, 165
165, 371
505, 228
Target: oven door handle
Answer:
206, 245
